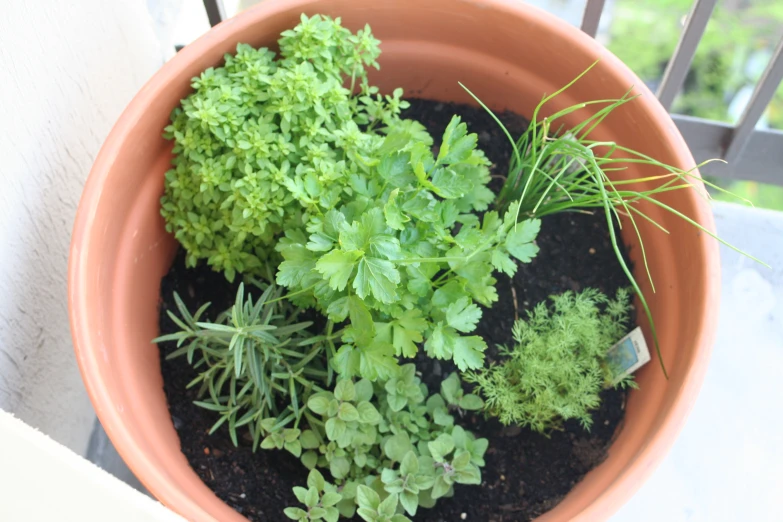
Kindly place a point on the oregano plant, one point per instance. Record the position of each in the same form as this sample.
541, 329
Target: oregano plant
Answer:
319, 499
408, 481
456, 398
366, 436
373, 509
264, 139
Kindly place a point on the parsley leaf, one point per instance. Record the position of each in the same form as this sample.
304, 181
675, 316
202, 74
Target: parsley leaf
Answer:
446, 343
338, 265
393, 213
519, 241
457, 144
463, 315
407, 330
376, 277
440, 343
469, 352
503, 263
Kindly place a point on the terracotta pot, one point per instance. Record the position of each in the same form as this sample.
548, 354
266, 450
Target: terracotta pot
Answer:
509, 54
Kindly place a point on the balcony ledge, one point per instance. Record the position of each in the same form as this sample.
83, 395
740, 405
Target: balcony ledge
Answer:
725, 465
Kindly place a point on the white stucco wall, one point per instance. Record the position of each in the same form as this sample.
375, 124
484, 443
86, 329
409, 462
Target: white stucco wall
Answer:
75, 489
67, 69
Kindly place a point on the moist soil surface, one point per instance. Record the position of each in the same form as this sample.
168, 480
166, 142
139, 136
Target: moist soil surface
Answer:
526, 473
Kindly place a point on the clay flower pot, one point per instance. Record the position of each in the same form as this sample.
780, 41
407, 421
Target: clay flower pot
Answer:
509, 54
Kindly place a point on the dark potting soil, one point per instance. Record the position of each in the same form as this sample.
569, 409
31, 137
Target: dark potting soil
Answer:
526, 473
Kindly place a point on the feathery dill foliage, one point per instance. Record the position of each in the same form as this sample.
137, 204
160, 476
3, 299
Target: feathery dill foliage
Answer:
557, 367
264, 139
257, 367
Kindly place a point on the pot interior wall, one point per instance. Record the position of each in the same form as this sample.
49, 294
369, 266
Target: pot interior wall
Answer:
509, 55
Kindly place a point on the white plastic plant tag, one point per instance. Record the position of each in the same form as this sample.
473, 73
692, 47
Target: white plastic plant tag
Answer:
628, 355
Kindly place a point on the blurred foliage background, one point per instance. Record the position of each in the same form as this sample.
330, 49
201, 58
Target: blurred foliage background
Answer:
737, 45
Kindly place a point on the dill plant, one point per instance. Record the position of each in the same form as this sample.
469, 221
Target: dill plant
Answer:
557, 367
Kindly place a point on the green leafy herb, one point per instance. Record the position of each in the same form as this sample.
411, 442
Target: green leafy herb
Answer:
373, 509
557, 368
554, 169
319, 498
455, 397
257, 367
454, 457
404, 256
408, 481
263, 140
377, 436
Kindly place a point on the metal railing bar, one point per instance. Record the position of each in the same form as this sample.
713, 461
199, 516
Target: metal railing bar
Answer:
762, 95
680, 62
216, 12
760, 160
592, 16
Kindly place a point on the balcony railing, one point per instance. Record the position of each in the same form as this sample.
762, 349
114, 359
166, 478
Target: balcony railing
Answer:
751, 154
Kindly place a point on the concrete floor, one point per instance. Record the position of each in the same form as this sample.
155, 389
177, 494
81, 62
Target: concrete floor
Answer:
725, 466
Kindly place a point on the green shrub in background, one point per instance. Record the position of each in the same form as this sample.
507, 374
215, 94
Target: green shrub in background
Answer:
644, 35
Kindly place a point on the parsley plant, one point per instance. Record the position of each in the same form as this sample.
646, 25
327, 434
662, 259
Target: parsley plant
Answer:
404, 257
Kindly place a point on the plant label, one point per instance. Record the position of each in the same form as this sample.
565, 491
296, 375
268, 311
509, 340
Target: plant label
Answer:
628, 355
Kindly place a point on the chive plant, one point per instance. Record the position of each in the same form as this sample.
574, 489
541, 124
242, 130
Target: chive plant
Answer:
554, 169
